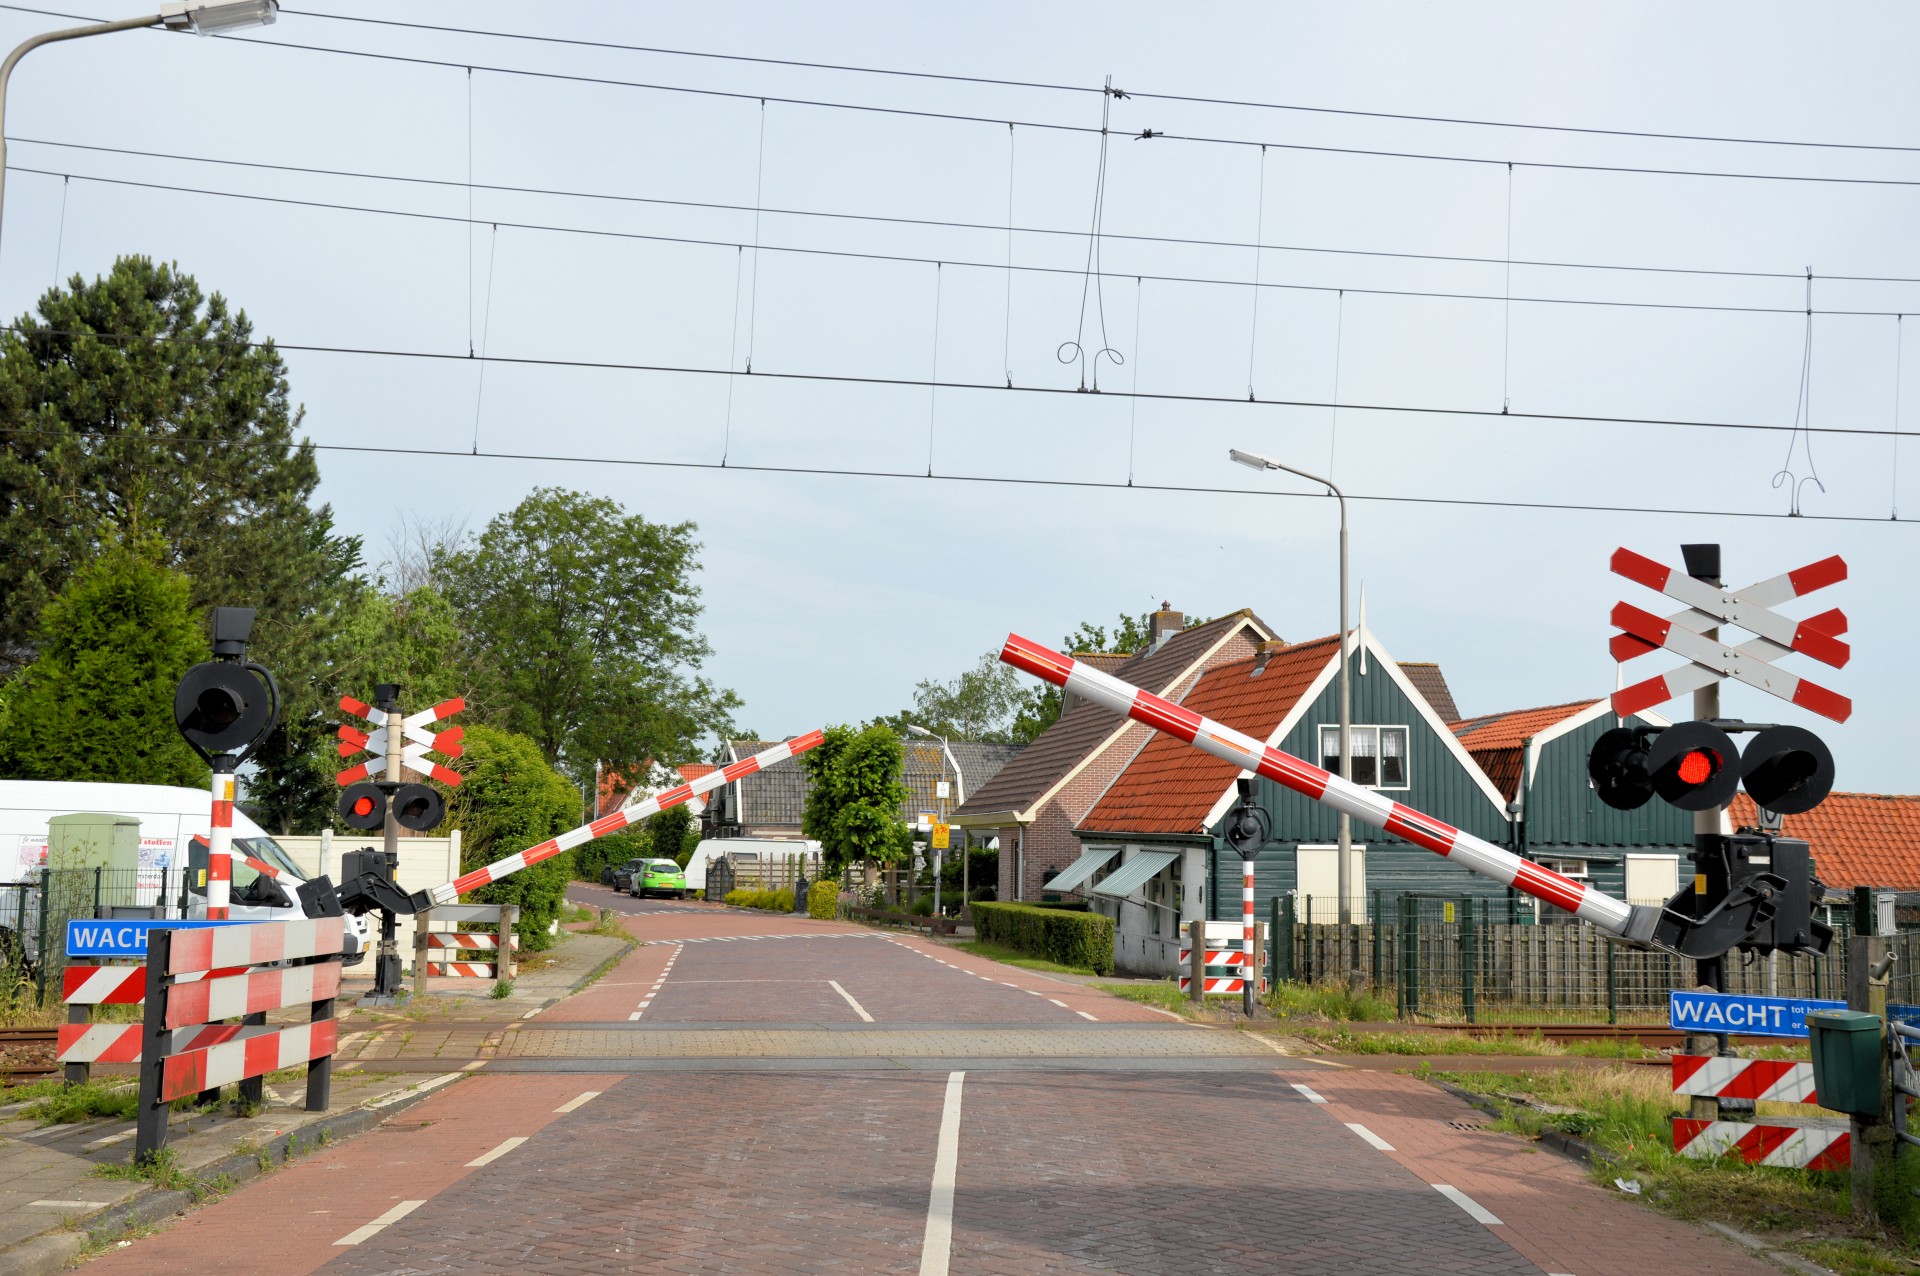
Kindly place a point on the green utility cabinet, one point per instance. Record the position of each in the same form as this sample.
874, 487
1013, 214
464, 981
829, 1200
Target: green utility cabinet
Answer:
1848, 1060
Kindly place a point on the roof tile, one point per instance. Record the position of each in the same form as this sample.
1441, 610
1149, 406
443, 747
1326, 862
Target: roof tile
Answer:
1858, 839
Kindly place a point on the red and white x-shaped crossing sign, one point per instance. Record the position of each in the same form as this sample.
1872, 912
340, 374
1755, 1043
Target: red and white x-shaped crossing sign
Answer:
413, 730
1709, 607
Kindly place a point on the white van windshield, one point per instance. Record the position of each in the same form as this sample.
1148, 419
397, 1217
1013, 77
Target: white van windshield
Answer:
267, 851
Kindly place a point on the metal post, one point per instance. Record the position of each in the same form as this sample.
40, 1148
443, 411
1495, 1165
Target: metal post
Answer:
1869, 1139
1197, 960
420, 921
1344, 875
150, 1122
1613, 985
1246, 933
1377, 922
253, 1090
1466, 955
320, 1071
45, 964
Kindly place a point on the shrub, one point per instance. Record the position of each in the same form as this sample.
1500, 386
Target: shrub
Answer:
823, 900
1060, 935
511, 800
923, 906
780, 901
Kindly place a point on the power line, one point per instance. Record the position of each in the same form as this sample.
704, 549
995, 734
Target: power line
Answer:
1161, 396
999, 121
1092, 272
1089, 88
1012, 480
946, 223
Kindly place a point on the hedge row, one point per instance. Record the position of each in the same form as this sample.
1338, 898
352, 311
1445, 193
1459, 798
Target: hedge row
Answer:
1060, 935
773, 901
823, 900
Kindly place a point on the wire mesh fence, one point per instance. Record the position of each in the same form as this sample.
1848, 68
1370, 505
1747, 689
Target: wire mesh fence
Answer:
1468, 959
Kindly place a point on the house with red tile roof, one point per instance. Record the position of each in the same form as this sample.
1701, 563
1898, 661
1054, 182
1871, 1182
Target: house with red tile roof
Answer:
1032, 803
1858, 839
1537, 758
1151, 855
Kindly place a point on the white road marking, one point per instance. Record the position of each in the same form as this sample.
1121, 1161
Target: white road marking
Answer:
858, 1009
1308, 1092
1061, 1004
1084, 1015
937, 1248
475, 1066
393, 1215
111, 1139
1475, 1210
530, 1014
582, 1101
72, 1205
422, 1088
498, 1152
633, 1016
1375, 1140
49, 1131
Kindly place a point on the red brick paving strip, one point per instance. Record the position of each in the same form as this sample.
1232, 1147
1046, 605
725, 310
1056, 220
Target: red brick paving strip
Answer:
1552, 1211
287, 1222
1078, 997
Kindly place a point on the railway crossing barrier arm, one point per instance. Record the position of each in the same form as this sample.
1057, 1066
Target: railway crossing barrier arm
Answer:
1633, 923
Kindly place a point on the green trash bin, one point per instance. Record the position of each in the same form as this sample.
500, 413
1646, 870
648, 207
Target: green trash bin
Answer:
1848, 1060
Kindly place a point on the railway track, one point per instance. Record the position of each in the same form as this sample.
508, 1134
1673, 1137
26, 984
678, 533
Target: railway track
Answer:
26, 1054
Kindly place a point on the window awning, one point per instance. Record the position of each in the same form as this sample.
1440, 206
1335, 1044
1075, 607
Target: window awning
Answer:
1135, 873
1089, 863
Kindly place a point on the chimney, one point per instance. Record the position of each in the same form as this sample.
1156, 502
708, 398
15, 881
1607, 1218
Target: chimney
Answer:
1163, 624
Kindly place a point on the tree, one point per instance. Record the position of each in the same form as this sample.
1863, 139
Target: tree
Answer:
980, 704
854, 794
584, 617
675, 834
509, 800
136, 406
98, 703
1040, 705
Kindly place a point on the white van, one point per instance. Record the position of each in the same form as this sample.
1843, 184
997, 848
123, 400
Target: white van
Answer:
749, 855
170, 818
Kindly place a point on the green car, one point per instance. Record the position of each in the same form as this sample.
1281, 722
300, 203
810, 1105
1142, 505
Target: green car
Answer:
659, 877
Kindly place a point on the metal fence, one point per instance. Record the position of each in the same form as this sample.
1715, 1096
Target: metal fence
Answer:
1463, 959
34, 914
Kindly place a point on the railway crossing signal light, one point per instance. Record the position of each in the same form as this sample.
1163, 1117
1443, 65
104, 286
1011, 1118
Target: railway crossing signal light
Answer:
1788, 770
1247, 824
418, 807
1696, 766
363, 806
225, 707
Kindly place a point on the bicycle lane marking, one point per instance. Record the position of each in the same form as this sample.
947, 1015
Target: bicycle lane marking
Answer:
312, 1205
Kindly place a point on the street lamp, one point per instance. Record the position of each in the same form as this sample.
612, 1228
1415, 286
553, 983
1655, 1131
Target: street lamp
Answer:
1253, 460
202, 17
960, 799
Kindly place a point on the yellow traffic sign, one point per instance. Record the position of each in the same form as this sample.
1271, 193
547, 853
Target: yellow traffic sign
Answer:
940, 842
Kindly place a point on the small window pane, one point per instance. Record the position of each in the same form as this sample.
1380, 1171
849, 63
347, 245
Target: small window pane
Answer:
1330, 749
1365, 768
1393, 757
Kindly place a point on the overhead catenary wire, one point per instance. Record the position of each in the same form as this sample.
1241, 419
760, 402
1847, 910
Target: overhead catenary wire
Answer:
954, 224
1467, 121
842, 378
997, 120
1095, 274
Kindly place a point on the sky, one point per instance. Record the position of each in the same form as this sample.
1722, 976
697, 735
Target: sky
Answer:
829, 595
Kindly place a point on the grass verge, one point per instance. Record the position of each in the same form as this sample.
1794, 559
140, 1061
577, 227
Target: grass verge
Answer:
1622, 1112
1162, 996
1013, 957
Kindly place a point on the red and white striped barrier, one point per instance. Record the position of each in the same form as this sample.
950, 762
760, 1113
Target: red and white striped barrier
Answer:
1215, 956
1217, 984
120, 1042
462, 969
251, 993
219, 946
1815, 1144
1370, 807
220, 848
1778, 1080
111, 985
214, 1066
467, 939
448, 892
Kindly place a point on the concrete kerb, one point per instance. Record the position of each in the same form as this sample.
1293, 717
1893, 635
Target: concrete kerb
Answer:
51, 1250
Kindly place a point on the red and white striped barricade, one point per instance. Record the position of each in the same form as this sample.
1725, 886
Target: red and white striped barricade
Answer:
1810, 1143
197, 977
83, 1043
463, 953
1225, 961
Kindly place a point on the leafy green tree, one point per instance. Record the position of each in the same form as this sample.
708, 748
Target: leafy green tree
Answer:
854, 792
135, 406
511, 799
981, 704
613, 849
1039, 706
584, 618
98, 703
675, 834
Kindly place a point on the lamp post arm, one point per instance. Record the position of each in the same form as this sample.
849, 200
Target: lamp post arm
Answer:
52, 37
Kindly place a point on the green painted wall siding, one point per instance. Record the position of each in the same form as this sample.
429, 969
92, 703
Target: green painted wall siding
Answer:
1562, 808
1440, 785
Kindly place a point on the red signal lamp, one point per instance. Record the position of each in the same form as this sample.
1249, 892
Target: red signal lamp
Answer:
1697, 767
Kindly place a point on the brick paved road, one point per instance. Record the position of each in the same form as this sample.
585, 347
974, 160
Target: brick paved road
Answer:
779, 1095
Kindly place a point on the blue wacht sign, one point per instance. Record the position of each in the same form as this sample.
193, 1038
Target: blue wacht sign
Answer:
1752, 1016
122, 938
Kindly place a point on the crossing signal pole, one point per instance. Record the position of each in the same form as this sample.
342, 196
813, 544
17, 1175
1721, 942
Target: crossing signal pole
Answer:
225, 709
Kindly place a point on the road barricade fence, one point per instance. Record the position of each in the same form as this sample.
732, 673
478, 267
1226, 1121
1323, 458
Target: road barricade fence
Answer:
1811, 1143
1472, 959
1222, 959
440, 951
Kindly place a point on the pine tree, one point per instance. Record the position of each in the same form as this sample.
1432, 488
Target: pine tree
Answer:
98, 703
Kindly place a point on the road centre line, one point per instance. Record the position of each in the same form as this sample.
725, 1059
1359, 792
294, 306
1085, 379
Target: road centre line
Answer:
579, 1102
1375, 1141
937, 1248
393, 1215
498, 1152
1061, 1004
1475, 1210
858, 1009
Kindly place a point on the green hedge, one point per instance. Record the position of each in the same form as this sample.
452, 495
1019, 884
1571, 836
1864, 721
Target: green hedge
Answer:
1056, 934
823, 900
773, 901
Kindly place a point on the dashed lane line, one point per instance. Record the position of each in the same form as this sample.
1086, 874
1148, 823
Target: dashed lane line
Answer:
936, 1249
1308, 1093
858, 1009
1375, 1141
1475, 1210
578, 1102
1084, 1015
393, 1215
490, 1157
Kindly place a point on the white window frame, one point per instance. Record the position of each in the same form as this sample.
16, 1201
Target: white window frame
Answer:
1375, 728
1575, 869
